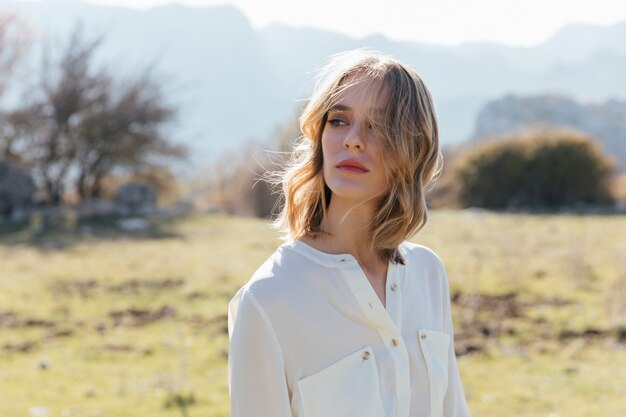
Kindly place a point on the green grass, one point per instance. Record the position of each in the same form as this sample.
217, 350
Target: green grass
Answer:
95, 322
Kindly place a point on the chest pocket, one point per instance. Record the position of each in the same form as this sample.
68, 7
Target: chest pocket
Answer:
435, 346
348, 387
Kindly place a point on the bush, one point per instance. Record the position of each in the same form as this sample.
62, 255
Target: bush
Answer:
535, 169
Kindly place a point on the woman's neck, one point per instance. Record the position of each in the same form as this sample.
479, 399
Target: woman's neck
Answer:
346, 229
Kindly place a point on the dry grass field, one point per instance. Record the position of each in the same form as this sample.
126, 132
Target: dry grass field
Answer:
99, 323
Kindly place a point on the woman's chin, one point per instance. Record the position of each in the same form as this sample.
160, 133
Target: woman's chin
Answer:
353, 195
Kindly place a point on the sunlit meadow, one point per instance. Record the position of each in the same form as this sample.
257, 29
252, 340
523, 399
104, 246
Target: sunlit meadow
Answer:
96, 322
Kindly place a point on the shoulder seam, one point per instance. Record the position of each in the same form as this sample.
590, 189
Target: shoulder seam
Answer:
412, 245
264, 317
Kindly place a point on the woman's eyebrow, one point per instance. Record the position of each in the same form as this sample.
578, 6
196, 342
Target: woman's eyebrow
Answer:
339, 107
343, 107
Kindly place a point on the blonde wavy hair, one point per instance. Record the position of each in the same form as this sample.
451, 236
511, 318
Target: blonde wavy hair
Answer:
407, 129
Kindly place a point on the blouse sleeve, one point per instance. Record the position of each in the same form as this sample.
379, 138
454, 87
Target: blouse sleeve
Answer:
454, 404
256, 376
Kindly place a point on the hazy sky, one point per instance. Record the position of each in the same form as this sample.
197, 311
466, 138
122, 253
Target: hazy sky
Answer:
518, 22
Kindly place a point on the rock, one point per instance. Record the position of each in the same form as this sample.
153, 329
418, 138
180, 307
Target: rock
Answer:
132, 224
96, 207
16, 191
38, 411
44, 363
134, 198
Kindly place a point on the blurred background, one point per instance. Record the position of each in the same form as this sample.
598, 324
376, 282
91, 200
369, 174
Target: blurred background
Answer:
133, 138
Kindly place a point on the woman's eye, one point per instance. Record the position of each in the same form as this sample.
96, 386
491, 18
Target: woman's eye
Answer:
337, 122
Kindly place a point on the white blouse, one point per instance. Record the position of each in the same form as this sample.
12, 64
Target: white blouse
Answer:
309, 337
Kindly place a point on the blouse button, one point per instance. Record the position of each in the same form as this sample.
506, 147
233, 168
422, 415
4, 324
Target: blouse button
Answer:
394, 287
366, 355
423, 336
394, 342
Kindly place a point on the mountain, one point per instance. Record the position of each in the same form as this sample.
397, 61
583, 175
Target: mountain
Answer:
604, 121
234, 83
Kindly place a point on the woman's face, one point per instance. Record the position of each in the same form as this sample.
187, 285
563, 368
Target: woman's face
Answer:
352, 155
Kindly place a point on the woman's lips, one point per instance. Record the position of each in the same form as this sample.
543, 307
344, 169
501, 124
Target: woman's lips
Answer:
348, 168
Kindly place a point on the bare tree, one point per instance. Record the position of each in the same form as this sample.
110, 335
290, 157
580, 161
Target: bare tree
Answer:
84, 123
122, 130
14, 42
69, 88
17, 129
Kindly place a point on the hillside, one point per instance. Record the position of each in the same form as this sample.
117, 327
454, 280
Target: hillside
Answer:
605, 121
234, 82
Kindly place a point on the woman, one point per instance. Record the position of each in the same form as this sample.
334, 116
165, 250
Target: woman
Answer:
347, 318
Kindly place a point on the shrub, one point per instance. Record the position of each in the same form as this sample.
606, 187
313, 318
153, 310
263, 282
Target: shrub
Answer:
546, 168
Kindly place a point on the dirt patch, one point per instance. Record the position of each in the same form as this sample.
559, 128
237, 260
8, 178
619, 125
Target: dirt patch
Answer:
135, 286
136, 317
588, 333
59, 333
86, 288
117, 347
507, 303
468, 348
500, 305
550, 301
195, 295
220, 321
11, 319
30, 322
8, 319
487, 317
22, 347
82, 287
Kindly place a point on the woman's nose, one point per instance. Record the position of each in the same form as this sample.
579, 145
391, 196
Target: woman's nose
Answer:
354, 138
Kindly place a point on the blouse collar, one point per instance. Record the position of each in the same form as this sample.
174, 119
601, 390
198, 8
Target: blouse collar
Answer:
327, 259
